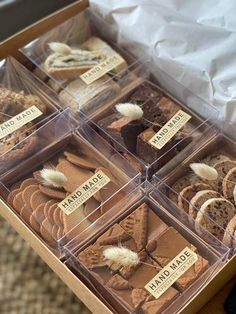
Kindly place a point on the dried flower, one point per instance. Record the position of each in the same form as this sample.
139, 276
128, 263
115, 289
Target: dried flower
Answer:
204, 171
130, 110
53, 178
121, 256
60, 48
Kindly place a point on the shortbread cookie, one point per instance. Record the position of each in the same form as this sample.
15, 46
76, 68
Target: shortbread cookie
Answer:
75, 175
180, 184
215, 215
38, 198
188, 193
199, 199
222, 167
230, 232
80, 96
53, 193
212, 159
97, 44
84, 162
28, 182
228, 185
72, 63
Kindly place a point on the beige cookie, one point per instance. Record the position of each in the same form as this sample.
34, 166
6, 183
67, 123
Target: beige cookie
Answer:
34, 223
11, 196
75, 175
91, 210
75, 218
222, 167
48, 210
28, 192
215, 215
199, 199
38, 198
25, 214
180, 184
230, 232
188, 193
56, 214
46, 232
38, 214
28, 182
228, 185
52, 192
83, 162
18, 202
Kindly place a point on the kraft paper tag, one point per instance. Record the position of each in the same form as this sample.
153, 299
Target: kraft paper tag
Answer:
171, 272
84, 192
19, 120
169, 129
102, 68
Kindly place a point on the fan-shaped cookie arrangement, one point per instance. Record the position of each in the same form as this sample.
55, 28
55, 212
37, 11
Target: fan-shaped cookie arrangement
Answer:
37, 197
207, 193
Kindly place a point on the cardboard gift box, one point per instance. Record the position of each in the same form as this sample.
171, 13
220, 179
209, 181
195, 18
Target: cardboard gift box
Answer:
84, 291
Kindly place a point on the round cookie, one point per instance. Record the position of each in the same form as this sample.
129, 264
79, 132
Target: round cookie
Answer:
199, 199
38, 214
38, 198
222, 167
52, 192
75, 175
228, 185
212, 159
230, 232
83, 162
188, 193
28, 182
215, 215
27, 193
180, 184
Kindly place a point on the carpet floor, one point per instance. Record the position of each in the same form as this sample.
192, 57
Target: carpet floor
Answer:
27, 285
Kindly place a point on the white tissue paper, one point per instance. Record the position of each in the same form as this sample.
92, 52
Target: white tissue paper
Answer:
193, 41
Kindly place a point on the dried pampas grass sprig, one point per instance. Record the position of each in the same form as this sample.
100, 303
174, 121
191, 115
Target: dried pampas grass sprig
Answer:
204, 171
53, 177
121, 256
60, 48
130, 110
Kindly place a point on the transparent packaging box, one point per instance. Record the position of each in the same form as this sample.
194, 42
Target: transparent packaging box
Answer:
148, 230
131, 136
26, 105
92, 41
67, 185
210, 203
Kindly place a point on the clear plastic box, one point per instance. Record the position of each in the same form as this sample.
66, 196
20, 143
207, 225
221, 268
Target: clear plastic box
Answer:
88, 32
122, 288
131, 137
42, 188
27, 104
186, 192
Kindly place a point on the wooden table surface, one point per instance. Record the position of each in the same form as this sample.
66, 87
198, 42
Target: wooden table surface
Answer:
215, 305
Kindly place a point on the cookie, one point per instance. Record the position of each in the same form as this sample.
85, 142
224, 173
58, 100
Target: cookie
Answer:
228, 185
230, 232
215, 215
46, 232
75, 175
38, 214
34, 223
18, 202
85, 162
199, 199
188, 193
28, 182
212, 159
38, 198
222, 167
52, 192
27, 193
75, 218
91, 210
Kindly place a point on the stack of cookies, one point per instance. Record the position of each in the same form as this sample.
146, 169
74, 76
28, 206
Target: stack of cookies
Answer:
11, 104
36, 199
65, 64
210, 202
156, 244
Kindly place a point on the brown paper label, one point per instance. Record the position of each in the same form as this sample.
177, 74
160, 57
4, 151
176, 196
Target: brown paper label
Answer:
84, 192
171, 272
102, 68
19, 120
169, 129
